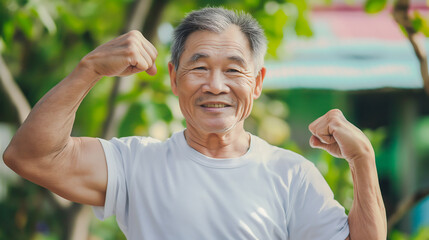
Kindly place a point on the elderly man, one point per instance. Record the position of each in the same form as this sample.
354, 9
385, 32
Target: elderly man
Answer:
213, 180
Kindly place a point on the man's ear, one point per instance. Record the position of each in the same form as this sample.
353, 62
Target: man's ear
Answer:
172, 72
258, 83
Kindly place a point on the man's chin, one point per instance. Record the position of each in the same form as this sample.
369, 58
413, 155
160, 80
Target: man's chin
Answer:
219, 128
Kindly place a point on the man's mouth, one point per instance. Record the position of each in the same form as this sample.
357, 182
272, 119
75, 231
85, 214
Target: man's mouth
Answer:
215, 105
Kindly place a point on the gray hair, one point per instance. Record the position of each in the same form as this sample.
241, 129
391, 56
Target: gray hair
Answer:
217, 20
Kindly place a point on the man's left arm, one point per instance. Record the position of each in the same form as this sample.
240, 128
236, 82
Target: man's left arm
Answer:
333, 133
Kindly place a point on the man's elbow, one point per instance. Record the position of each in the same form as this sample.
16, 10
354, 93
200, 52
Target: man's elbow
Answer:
15, 161
9, 158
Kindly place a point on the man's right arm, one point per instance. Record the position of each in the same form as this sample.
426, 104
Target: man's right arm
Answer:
43, 151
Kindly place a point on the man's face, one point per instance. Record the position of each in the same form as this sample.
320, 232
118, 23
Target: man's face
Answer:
216, 81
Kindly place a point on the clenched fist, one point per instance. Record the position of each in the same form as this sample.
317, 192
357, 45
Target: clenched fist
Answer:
333, 133
125, 55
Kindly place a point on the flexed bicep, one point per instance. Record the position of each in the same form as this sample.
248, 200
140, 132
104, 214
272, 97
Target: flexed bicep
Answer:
78, 173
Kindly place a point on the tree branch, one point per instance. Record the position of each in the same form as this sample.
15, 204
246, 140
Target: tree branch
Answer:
20, 103
405, 206
400, 14
115, 112
124, 84
13, 92
80, 223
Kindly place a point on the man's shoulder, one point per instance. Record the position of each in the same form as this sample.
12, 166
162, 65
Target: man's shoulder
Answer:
132, 141
142, 143
281, 158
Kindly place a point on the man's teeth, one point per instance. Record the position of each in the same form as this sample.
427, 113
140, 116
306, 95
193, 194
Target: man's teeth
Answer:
215, 105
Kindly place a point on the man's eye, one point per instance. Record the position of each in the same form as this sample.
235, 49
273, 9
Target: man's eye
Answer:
232, 70
200, 68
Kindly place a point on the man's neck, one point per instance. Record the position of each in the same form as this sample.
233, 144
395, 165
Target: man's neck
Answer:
230, 144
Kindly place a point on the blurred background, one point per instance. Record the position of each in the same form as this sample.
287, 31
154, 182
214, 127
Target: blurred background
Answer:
365, 57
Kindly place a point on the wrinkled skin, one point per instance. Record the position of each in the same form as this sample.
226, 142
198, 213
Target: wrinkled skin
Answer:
216, 85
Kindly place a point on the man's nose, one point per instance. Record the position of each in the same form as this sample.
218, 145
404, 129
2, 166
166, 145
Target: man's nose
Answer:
216, 83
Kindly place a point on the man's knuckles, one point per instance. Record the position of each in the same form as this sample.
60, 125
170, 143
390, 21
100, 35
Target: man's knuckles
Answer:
334, 116
335, 112
135, 33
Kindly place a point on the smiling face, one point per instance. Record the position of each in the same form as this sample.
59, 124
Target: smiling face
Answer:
216, 81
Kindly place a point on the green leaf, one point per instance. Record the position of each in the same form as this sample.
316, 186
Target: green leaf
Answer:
273, 26
71, 21
163, 112
396, 235
46, 18
375, 6
417, 23
420, 23
25, 24
302, 27
8, 32
132, 120
422, 234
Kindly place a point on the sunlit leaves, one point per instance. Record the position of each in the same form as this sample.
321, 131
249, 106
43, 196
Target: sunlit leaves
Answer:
420, 23
273, 25
302, 24
134, 122
269, 122
421, 234
8, 31
71, 21
106, 230
274, 130
25, 23
377, 137
374, 6
45, 17
302, 27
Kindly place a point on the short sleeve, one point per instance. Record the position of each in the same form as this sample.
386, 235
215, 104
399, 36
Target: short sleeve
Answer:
116, 150
315, 214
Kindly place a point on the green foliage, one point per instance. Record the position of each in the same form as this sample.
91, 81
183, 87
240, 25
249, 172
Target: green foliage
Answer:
107, 229
44, 40
420, 23
374, 6
377, 137
28, 214
276, 21
397, 235
421, 133
269, 123
421, 234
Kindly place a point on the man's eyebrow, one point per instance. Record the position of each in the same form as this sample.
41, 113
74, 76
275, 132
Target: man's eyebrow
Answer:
235, 58
197, 56
238, 60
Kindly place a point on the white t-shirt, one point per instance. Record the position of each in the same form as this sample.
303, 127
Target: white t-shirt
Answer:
168, 190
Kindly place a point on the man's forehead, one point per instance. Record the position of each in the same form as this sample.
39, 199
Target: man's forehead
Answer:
230, 43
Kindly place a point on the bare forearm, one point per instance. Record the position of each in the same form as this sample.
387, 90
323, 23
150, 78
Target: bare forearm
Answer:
47, 129
332, 132
367, 217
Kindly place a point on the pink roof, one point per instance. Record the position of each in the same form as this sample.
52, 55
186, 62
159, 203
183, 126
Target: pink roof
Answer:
354, 23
